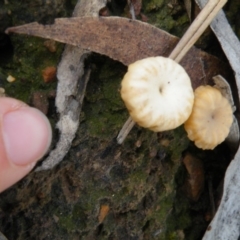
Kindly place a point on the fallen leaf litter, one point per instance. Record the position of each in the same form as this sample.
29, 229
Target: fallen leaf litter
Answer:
74, 28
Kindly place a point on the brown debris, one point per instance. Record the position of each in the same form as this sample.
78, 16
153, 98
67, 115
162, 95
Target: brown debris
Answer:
50, 45
49, 74
104, 12
126, 41
144, 18
195, 182
39, 100
104, 210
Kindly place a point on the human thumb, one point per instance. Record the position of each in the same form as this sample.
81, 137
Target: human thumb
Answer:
25, 136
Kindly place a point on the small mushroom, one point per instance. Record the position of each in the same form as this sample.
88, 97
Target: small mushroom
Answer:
211, 118
158, 94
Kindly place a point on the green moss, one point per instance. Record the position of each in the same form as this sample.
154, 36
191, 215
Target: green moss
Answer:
232, 9
167, 16
180, 142
152, 5
103, 92
138, 177
30, 58
67, 223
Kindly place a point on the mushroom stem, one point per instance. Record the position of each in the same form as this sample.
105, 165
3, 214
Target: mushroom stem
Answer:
195, 30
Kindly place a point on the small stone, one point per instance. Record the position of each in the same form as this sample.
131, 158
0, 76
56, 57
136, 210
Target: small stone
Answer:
138, 143
10, 78
56, 218
164, 142
2, 92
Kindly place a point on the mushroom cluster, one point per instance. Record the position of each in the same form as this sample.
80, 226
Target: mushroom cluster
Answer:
158, 94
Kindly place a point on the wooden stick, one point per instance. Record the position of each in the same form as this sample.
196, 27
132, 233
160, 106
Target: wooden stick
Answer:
196, 29
127, 127
132, 11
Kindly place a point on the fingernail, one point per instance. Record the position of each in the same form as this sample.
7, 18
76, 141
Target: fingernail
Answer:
26, 134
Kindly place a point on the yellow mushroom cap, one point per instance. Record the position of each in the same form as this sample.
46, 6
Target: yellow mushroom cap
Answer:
211, 118
157, 92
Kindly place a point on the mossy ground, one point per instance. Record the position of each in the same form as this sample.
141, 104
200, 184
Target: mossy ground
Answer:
140, 180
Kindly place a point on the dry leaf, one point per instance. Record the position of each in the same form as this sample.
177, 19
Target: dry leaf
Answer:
103, 212
188, 6
194, 185
192, 9
126, 41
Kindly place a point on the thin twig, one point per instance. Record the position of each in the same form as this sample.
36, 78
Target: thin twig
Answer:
196, 29
132, 11
127, 127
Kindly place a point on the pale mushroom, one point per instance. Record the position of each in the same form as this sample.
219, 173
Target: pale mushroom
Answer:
211, 118
157, 92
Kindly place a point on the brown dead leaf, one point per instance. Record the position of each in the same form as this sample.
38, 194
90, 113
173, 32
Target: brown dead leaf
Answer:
49, 74
192, 9
103, 212
195, 183
188, 6
40, 101
50, 45
126, 41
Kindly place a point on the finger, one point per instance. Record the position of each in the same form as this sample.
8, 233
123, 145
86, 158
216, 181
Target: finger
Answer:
25, 136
